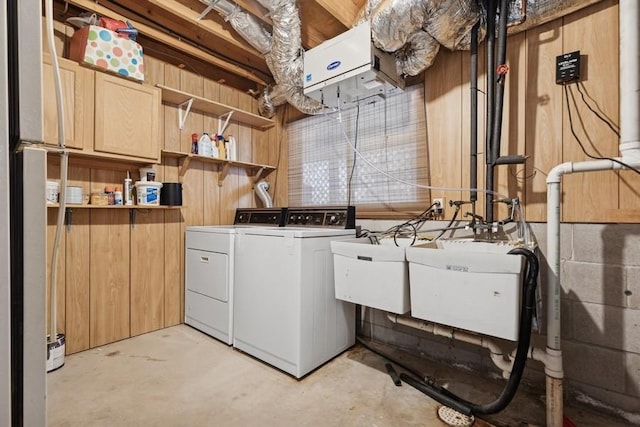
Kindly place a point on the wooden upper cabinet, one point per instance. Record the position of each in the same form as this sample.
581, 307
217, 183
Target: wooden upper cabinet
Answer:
127, 117
77, 93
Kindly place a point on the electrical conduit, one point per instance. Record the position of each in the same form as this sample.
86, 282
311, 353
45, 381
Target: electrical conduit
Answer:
629, 11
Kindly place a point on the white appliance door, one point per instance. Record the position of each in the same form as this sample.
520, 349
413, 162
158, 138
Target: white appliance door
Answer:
266, 298
208, 273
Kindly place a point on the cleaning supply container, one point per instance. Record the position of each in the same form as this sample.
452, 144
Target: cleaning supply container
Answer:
53, 188
171, 194
148, 192
467, 284
376, 276
147, 174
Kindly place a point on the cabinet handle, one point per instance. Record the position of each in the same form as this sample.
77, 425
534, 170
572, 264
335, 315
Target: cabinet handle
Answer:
204, 259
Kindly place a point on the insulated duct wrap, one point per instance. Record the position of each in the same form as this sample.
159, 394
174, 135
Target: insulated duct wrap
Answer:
249, 28
412, 29
418, 54
393, 22
538, 12
270, 98
282, 50
285, 59
450, 21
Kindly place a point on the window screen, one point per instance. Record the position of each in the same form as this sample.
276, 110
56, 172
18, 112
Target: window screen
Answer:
390, 135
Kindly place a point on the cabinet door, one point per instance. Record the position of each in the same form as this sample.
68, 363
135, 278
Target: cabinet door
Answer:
147, 272
77, 94
77, 301
127, 117
109, 273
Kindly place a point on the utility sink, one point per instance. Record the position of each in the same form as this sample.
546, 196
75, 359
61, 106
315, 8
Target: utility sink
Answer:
467, 284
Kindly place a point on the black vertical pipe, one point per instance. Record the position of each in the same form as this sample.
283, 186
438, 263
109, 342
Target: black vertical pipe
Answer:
474, 112
499, 100
491, 84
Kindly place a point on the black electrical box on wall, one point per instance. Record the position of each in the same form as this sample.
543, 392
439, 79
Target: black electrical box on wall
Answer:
568, 68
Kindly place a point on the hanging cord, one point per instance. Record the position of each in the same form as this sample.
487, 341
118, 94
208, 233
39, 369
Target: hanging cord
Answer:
448, 398
575, 136
602, 116
353, 165
453, 219
413, 225
64, 161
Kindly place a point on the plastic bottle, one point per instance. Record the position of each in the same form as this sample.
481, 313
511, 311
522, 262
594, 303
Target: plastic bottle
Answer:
128, 190
204, 145
214, 147
222, 153
117, 195
110, 195
194, 143
232, 148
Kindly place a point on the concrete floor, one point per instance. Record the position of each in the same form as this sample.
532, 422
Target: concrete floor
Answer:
181, 377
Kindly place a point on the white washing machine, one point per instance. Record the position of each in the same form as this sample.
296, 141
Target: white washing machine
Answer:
209, 270
285, 310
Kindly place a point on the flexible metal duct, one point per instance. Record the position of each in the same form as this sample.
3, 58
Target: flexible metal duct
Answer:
531, 13
417, 54
261, 190
282, 50
412, 29
415, 29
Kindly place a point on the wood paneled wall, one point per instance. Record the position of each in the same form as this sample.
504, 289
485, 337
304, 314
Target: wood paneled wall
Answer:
116, 280
536, 122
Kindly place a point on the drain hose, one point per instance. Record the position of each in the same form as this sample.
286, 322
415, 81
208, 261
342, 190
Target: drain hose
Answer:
461, 405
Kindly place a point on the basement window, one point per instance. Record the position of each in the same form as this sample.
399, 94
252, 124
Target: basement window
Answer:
391, 138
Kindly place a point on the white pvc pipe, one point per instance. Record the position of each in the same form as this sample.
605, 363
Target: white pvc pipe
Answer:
554, 292
629, 80
629, 37
496, 353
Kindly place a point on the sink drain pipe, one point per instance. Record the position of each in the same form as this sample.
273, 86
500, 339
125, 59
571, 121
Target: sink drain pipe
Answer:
465, 407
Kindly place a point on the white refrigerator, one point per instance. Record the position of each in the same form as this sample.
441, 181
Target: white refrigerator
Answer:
22, 217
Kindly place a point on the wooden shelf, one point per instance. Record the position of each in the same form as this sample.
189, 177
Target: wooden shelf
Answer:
188, 102
258, 171
94, 159
76, 206
131, 208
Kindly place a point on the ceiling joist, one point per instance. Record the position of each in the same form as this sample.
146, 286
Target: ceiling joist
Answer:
170, 40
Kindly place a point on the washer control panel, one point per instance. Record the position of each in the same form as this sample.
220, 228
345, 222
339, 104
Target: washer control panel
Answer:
261, 216
333, 217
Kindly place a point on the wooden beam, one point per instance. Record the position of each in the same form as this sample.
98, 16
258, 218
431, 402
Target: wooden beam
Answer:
189, 31
169, 40
210, 26
344, 11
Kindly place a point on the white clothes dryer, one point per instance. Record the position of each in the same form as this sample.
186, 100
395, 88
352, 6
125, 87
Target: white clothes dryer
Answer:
209, 270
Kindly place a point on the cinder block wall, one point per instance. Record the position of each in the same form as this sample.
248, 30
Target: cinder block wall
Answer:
600, 320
